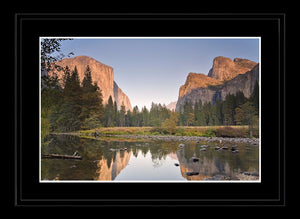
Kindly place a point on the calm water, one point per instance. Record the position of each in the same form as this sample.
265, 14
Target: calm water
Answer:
146, 161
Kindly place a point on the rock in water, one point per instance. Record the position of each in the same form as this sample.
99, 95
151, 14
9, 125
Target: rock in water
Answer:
181, 145
194, 159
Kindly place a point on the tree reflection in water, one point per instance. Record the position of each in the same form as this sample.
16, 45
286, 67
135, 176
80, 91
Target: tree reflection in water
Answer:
105, 160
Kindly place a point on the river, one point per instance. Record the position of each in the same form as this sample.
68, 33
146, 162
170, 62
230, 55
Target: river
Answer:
136, 160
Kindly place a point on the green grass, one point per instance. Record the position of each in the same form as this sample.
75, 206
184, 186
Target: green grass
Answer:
203, 131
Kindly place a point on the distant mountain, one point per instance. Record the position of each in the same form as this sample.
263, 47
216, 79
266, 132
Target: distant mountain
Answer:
172, 105
101, 73
225, 76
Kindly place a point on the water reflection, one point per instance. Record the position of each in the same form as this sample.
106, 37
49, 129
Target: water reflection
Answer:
126, 161
109, 172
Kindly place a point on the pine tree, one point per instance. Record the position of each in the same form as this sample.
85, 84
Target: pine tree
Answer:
122, 115
135, 116
108, 112
92, 107
70, 110
254, 98
128, 119
216, 113
145, 116
187, 111
229, 106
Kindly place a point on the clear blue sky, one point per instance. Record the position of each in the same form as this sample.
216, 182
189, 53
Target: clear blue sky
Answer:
152, 70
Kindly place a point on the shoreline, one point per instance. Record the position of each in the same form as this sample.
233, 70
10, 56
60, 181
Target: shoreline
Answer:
251, 141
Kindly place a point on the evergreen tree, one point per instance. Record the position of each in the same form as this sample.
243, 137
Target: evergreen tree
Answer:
254, 98
108, 112
145, 116
216, 113
187, 112
248, 111
70, 110
87, 82
196, 113
92, 107
229, 109
207, 113
135, 117
240, 98
122, 115
128, 119
116, 115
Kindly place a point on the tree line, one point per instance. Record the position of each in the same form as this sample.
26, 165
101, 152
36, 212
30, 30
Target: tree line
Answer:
68, 105
236, 109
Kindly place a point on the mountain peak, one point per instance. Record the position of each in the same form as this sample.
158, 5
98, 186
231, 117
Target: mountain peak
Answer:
225, 69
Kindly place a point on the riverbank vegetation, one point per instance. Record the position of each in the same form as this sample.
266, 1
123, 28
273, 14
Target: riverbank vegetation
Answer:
71, 105
201, 131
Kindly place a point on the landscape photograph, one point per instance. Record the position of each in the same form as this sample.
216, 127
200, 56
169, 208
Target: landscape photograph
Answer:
150, 109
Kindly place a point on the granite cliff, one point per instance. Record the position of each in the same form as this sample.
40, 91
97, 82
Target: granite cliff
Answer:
225, 69
101, 73
171, 106
226, 76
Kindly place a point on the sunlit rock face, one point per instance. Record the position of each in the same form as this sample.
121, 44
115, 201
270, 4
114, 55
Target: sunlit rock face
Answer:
225, 69
102, 74
108, 170
225, 77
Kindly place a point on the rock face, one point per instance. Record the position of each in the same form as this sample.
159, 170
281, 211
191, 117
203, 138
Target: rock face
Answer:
194, 81
171, 106
102, 74
225, 69
121, 98
226, 76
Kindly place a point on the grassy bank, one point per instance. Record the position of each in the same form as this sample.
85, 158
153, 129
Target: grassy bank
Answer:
202, 131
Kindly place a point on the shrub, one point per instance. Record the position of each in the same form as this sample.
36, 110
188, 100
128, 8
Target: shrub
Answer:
209, 133
158, 130
231, 132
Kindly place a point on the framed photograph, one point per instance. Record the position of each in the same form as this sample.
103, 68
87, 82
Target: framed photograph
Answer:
185, 102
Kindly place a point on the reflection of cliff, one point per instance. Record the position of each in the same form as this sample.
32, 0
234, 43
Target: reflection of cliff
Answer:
173, 156
110, 172
205, 167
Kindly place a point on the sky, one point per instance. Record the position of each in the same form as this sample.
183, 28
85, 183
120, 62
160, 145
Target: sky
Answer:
153, 69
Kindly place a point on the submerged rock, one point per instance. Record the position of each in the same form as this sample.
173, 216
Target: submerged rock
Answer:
218, 177
181, 145
194, 159
191, 173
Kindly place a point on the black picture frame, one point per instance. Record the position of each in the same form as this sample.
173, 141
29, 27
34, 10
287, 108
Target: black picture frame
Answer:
30, 26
